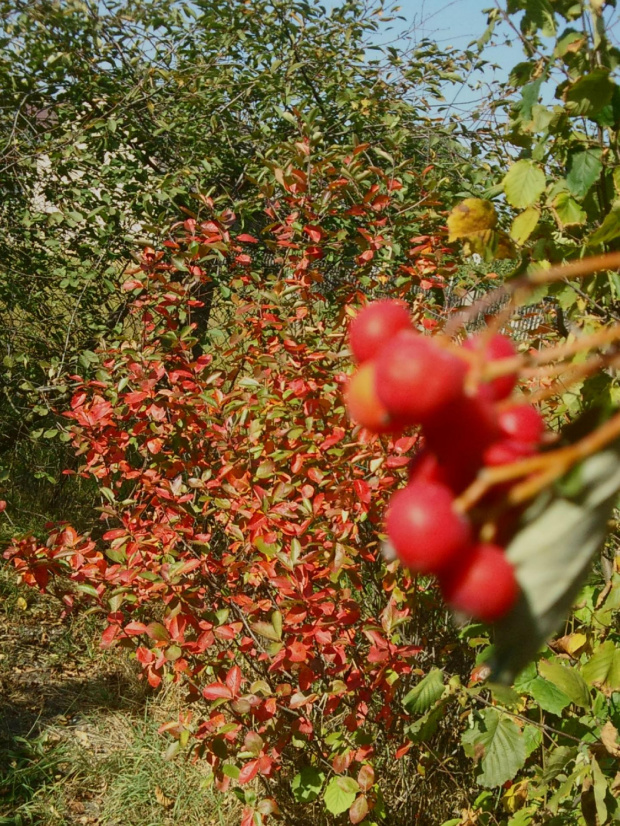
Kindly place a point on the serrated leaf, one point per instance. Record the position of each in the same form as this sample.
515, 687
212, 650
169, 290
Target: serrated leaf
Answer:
590, 93
568, 213
426, 693
524, 225
551, 554
523, 184
307, 785
499, 744
584, 169
548, 696
337, 800
568, 680
603, 668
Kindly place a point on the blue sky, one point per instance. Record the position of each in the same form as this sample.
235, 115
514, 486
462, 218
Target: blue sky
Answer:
457, 23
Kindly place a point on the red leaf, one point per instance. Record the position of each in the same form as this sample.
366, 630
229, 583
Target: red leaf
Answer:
247, 817
362, 490
359, 809
402, 751
217, 691
248, 239
132, 284
315, 233
297, 652
248, 772
380, 203
116, 533
135, 628
365, 256
366, 778
234, 679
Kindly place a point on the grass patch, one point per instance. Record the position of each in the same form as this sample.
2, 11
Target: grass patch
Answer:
78, 730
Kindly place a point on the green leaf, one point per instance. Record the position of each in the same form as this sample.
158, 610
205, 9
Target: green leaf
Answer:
568, 680
584, 169
522, 818
557, 761
600, 791
548, 696
603, 668
307, 785
591, 93
524, 225
498, 739
551, 554
339, 795
426, 693
523, 184
608, 230
427, 725
533, 739
567, 211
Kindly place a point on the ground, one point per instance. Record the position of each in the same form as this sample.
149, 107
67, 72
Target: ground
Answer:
78, 729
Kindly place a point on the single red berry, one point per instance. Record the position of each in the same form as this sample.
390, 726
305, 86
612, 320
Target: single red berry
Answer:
375, 325
507, 451
363, 403
482, 584
425, 530
460, 434
494, 349
521, 422
416, 378
424, 467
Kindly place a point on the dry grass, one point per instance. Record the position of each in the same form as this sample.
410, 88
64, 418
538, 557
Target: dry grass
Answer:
78, 730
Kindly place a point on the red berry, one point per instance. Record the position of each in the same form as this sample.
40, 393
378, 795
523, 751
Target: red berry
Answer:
507, 451
425, 530
416, 378
424, 467
362, 402
375, 325
459, 435
521, 422
483, 585
496, 348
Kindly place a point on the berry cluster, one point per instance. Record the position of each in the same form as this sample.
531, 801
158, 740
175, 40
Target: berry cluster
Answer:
405, 379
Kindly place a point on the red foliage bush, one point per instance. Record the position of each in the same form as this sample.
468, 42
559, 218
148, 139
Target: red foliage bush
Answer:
239, 549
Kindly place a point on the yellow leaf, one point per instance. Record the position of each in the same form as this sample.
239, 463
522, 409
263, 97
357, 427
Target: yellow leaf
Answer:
609, 738
473, 215
524, 225
22, 604
515, 797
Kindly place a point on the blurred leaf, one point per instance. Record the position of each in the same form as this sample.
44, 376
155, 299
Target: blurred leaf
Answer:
551, 553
